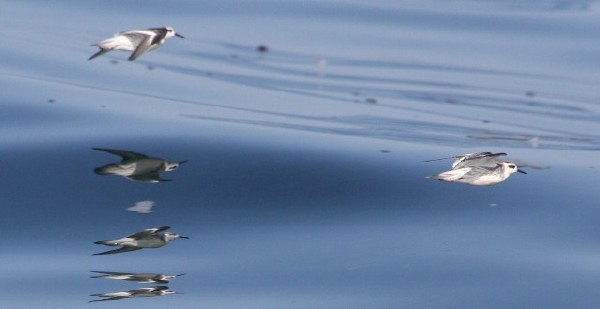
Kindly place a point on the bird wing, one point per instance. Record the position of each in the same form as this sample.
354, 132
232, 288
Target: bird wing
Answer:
120, 250
101, 52
452, 175
124, 154
135, 36
477, 171
111, 273
160, 34
487, 159
142, 47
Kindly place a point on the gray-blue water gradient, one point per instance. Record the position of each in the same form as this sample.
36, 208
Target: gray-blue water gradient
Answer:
305, 186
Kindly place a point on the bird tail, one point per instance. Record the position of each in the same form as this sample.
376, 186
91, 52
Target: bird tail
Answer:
99, 53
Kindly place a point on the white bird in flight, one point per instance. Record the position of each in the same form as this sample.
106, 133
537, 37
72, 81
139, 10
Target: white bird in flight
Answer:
138, 41
478, 169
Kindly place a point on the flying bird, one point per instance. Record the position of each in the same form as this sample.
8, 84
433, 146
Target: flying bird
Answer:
138, 41
478, 169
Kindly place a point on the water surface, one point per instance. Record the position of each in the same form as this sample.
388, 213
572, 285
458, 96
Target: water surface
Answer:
305, 186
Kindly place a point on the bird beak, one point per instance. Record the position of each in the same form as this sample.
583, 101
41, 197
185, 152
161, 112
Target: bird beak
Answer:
179, 35
521, 171
184, 237
181, 162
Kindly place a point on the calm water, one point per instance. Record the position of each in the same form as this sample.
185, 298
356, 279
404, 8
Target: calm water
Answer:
305, 183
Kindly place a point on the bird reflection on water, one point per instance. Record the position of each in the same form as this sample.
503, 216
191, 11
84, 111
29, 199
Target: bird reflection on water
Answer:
135, 277
148, 238
141, 292
137, 166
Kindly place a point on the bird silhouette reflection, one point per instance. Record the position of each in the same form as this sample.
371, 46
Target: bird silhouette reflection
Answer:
137, 166
135, 293
148, 238
136, 277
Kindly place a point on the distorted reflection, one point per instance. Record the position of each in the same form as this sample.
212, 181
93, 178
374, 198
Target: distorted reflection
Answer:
148, 238
141, 292
136, 166
142, 207
135, 277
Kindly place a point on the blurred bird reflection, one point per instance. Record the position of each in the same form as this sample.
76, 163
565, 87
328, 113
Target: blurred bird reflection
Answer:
136, 166
135, 277
141, 292
148, 238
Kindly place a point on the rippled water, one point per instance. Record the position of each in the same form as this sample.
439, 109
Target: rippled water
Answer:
305, 183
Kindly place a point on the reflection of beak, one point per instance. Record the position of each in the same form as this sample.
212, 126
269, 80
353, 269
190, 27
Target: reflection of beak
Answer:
521, 171
179, 35
184, 237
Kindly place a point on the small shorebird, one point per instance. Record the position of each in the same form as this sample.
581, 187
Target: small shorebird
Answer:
135, 277
136, 166
142, 292
478, 169
138, 41
148, 238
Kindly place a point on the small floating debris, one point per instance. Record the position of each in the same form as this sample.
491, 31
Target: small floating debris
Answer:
263, 49
51, 101
321, 63
142, 207
371, 100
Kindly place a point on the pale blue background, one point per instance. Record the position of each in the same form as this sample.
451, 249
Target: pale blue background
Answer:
305, 186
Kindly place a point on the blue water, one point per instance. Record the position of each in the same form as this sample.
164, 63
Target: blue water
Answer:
305, 186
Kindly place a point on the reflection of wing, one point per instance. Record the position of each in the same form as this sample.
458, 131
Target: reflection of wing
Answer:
120, 250
111, 273
111, 298
158, 288
124, 154
148, 177
147, 232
